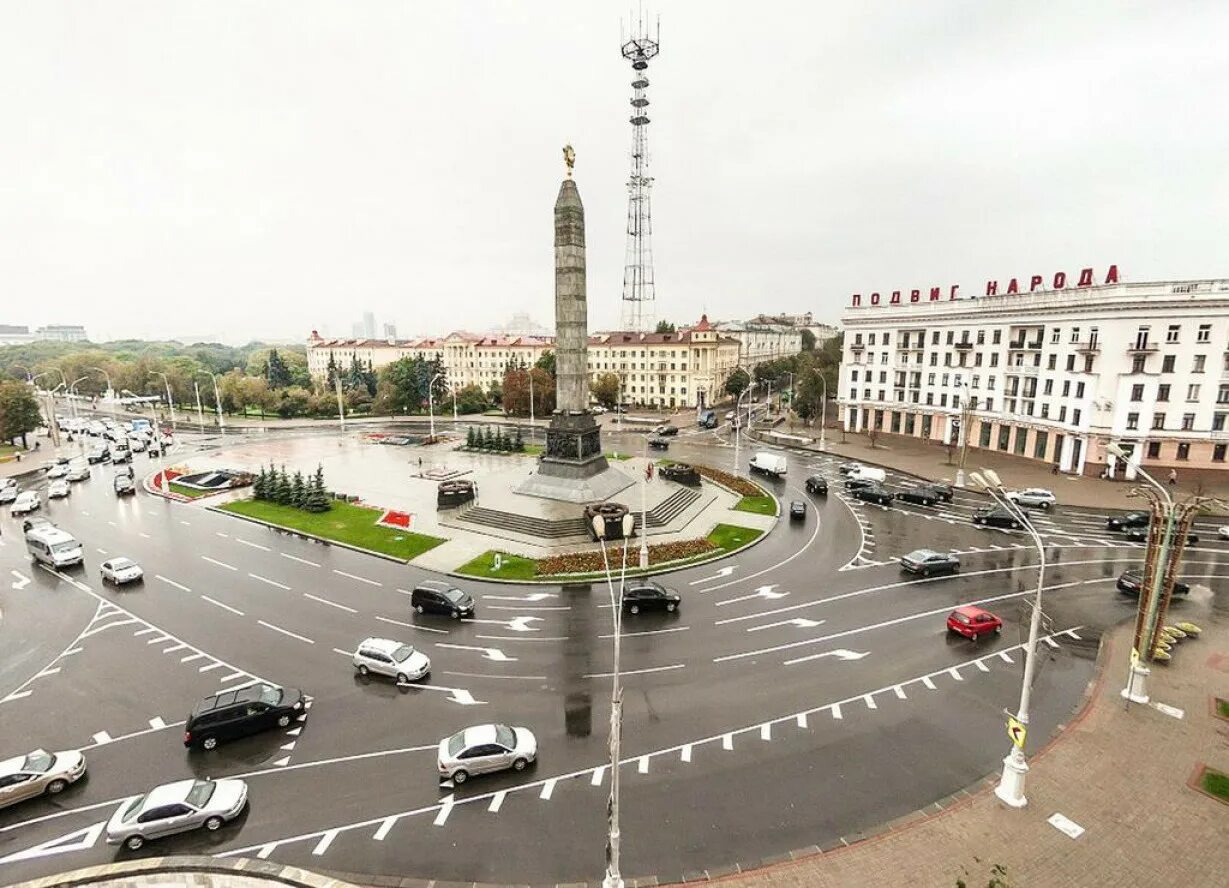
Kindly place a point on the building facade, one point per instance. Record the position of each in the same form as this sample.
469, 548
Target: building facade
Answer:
763, 338
688, 368
62, 333
1056, 376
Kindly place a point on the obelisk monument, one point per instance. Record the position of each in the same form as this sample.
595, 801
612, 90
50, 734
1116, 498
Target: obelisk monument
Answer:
573, 468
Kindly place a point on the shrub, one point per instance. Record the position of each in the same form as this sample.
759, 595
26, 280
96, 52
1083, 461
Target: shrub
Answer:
741, 486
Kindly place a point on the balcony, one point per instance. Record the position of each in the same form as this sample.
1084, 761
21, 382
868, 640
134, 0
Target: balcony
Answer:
856, 346
963, 346
1021, 345
1020, 370
1141, 348
1091, 347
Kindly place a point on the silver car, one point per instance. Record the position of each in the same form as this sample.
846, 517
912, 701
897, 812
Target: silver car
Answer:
120, 571
58, 489
1037, 497
174, 808
383, 656
8, 490
38, 773
484, 749
27, 501
78, 471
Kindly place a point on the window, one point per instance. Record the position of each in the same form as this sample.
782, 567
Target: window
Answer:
1045, 411
942, 400
1218, 421
1048, 387
1188, 422
981, 337
1162, 392
1184, 451
883, 358
1137, 393
977, 360
883, 376
1158, 421
955, 402
930, 399
1205, 333
881, 398
990, 382
853, 393
1137, 364
951, 336
1171, 334
1218, 453
1088, 359
1154, 450
934, 338
947, 359
1079, 389
1056, 335
997, 337
1053, 362
944, 383
853, 375
934, 359
1075, 417
1075, 334
1192, 392
976, 381
1062, 413
872, 339
1167, 364
994, 359
989, 404
1070, 363
930, 379
887, 337
1067, 387
1199, 363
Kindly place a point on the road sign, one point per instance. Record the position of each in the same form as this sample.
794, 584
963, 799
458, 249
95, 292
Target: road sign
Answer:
1016, 731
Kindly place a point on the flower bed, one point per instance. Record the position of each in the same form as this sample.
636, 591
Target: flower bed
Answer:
591, 562
740, 486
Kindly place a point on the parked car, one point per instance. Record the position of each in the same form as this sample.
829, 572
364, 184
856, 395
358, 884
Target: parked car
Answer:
433, 597
641, 595
78, 472
25, 502
397, 660
993, 516
1034, 497
228, 715
175, 808
873, 493
973, 622
919, 496
666, 431
1140, 535
927, 562
659, 443
484, 749
38, 773
1130, 519
136, 443
817, 484
1129, 582
597, 409
941, 489
8, 490
120, 571
123, 485
58, 488
797, 511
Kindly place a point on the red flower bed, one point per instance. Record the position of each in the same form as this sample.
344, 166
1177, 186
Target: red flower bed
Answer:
396, 520
591, 562
741, 486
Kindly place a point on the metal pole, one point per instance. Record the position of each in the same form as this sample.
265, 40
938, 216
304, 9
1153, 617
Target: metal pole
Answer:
965, 411
341, 406
823, 412
530, 371
110, 388
454, 407
72, 392
170, 399
217, 399
431, 402
200, 414
644, 510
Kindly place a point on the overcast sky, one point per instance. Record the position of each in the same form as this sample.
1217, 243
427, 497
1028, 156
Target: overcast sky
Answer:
257, 169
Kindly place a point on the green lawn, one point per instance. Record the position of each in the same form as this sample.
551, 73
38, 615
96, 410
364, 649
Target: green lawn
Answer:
344, 523
8, 449
759, 505
730, 536
619, 456
1216, 783
1222, 706
190, 492
514, 567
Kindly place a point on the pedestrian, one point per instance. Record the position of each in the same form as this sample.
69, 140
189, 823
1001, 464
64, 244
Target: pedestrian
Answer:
1054, 469
1173, 477
420, 465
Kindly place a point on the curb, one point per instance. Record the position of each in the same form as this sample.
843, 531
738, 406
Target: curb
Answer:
302, 534
264, 871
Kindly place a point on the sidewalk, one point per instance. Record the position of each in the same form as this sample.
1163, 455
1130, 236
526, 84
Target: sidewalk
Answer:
1119, 773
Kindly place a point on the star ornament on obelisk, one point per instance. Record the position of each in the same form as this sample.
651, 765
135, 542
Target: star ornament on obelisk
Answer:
573, 468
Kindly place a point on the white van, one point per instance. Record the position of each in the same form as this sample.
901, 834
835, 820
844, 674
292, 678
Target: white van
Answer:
769, 463
867, 473
53, 546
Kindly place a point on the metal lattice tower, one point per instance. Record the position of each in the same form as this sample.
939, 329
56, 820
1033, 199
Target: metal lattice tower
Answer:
638, 288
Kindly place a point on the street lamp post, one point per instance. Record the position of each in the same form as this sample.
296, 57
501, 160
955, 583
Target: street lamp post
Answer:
966, 409
52, 426
170, 400
1015, 768
200, 414
431, 403
532, 437
738, 426
72, 394
614, 878
110, 388
341, 402
217, 397
644, 509
823, 409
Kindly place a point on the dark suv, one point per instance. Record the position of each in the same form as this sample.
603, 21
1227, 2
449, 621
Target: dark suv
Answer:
641, 595
817, 484
228, 715
442, 598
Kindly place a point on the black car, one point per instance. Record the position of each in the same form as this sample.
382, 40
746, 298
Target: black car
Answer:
859, 483
919, 496
872, 492
1132, 579
990, 516
942, 491
666, 431
1129, 520
1140, 535
797, 511
227, 715
98, 456
659, 443
641, 595
928, 561
442, 598
124, 485
817, 484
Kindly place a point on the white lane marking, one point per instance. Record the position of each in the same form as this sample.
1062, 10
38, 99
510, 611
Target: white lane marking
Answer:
727, 742
266, 850
765, 592
298, 559
766, 731
21, 582
955, 673
636, 671
16, 695
541, 637
143, 534
685, 753
801, 719
643, 765
218, 563
491, 675
209, 667
285, 631
1003, 656
521, 607
325, 841
929, 684
178, 586
275, 583
411, 625
185, 523
253, 545
980, 665
835, 708
548, 789
441, 816
1048, 640
870, 702
329, 603
385, 826
102, 737
800, 622
191, 657
493, 654
900, 692
20, 691
343, 653
175, 647
598, 772
532, 596
146, 631
722, 573
159, 639
69, 653
214, 601
497, 801
623, 634
157, 723
52, 671
232, 677
105, 626
84, 839
224, 536
356, 577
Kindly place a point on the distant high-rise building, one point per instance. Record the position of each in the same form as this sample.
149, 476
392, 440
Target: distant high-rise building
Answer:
369, 325
390, 332
356, 330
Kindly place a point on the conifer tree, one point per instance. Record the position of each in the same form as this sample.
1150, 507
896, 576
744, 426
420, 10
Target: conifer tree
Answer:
298, 490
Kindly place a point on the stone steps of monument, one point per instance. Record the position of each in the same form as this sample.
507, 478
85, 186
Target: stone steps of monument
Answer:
671, 507
540, 527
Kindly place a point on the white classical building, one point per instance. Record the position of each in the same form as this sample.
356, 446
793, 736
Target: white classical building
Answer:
1056, 375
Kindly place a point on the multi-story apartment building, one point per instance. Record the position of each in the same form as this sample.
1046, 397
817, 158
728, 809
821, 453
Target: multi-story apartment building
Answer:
763, 338
1056, 375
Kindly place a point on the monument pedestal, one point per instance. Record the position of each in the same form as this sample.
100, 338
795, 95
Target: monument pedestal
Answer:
573, 468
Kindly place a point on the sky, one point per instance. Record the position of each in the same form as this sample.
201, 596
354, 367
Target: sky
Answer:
241, 170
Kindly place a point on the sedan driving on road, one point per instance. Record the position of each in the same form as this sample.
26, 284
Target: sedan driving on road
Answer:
39, 773
873, 493
850, 467
383, 656
927, 562
1131, 580
58, 489
973, 622
174, 808
27, 501
1140, 535
120, 571
78, 472
919, 496
797, 511
8, 490
1034, 497
666, 431
942, 490
123, 485
989, 516
57, 470
818, 485
484, 749
641, 595
1130, 519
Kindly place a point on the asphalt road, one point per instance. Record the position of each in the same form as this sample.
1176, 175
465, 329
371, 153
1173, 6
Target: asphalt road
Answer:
807, 690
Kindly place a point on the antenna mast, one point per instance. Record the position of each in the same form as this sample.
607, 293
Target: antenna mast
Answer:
639, 292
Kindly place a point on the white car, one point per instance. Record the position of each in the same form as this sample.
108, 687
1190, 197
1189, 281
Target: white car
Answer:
175, 808
1223, 532
27, 501
166, 440
58, 470
136, 443
1038, 497
484, 749
383, 656
39, 773
120, 571
78, 472
58, 488
597, 409
8, 490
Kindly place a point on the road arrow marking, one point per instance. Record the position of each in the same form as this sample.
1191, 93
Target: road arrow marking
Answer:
800, 622
456, 695
531, 597
84, 838
22, 580
445, 809
516, 624
765, 592
721, 574
494, 654
839, 653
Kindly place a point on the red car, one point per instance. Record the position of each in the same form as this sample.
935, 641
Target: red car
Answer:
973, 622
